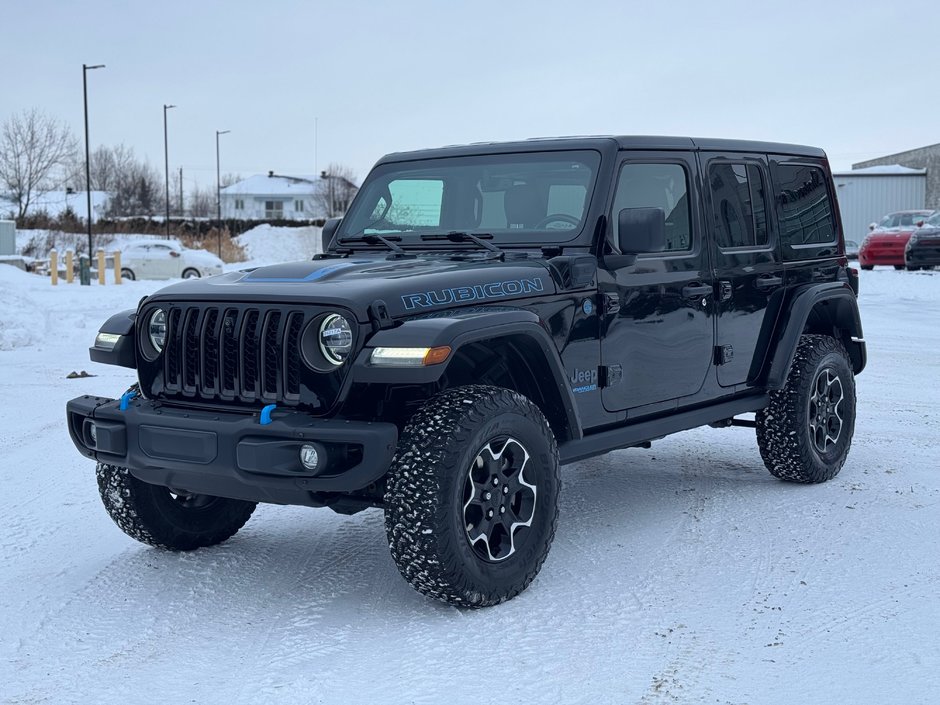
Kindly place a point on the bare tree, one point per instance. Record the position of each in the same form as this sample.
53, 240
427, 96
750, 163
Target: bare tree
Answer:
335, 190
202, 201
35, 152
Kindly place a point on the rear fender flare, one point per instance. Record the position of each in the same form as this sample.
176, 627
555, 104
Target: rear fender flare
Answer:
834, 302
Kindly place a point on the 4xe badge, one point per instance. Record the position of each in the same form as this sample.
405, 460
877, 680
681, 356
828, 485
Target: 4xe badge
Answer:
583, 380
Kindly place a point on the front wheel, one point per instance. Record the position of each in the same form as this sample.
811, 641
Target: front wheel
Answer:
471, 502
899, 267
805, 433
868, 267
158, 516
191, 273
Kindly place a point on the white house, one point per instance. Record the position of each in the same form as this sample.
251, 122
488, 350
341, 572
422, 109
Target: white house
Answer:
277, 197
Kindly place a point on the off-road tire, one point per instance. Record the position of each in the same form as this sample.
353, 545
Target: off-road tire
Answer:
424, 510
151, 514
783, 428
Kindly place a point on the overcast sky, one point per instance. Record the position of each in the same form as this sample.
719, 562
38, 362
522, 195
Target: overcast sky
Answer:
856, 78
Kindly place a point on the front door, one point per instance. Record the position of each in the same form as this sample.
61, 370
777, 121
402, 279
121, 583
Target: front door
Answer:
748, 270
659, 334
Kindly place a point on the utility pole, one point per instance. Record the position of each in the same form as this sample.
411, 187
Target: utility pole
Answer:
182, 211
166, 167
218, 188
85, 70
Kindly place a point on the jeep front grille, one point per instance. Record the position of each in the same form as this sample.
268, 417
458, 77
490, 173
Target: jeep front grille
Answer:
238, 353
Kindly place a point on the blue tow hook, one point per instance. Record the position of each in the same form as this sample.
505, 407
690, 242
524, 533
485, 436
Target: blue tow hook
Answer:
126, 399
266, 414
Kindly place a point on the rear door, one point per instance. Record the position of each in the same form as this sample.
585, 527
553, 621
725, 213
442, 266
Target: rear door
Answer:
747, 268
658, 336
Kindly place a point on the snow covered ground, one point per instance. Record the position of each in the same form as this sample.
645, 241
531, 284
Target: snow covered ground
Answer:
680, 574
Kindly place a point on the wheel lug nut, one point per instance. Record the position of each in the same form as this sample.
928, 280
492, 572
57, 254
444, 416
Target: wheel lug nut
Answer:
487, 495
489, 514
495, 481
502, 510
505, 489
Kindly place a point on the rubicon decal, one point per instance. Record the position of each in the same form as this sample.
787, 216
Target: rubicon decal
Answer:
476, 292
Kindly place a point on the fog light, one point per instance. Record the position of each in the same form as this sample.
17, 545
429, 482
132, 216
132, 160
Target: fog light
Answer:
309, 457
93, 434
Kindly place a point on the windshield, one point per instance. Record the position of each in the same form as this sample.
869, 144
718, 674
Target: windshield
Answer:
934, 220
527, 198
902, 220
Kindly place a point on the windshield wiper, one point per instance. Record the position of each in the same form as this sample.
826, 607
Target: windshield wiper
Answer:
375, 239
458, 236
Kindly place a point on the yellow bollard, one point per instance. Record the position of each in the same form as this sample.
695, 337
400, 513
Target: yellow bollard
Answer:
54, 266
101, 267
69, 273
117, 266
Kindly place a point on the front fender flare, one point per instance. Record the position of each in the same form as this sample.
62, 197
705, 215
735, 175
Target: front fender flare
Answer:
458, 328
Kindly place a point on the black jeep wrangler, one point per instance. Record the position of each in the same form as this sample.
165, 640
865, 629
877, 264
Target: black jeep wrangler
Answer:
481, 316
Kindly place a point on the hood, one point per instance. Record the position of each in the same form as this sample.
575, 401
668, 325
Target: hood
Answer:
889, 235
928, 232
407, 286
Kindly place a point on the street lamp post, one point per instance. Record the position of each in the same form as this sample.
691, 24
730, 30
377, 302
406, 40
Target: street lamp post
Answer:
85, 70
218, 187
166, 163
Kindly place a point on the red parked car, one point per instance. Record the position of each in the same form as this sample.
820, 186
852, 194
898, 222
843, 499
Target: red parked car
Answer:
886, 242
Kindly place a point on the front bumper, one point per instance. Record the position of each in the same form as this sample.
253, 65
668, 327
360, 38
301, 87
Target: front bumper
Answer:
231, 454
923, 254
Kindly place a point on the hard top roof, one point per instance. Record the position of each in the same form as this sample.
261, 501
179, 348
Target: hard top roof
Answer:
637, 142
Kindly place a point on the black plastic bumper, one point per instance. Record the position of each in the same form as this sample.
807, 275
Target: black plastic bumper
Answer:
923, 255
232, 454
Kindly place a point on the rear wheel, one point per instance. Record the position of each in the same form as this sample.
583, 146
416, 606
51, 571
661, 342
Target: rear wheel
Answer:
127, 274
899, 266
161, 517
868, 267
472, 497
805, 433
191, 273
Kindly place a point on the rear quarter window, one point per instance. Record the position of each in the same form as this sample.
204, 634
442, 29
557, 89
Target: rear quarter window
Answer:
805, 211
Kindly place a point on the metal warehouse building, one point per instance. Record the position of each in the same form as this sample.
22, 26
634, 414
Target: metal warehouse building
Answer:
927, 158
866, 194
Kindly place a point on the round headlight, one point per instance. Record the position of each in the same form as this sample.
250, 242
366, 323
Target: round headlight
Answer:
156, 330
335, 339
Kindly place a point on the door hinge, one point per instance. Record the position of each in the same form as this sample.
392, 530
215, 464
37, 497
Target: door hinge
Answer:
611, 303
610, 375
725, 290
723, 354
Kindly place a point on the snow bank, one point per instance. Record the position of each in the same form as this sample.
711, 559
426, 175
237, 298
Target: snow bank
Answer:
20, 316
266, 244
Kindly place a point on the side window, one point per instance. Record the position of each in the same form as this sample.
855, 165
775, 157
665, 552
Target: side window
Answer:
657, 186
738, 205
804, 208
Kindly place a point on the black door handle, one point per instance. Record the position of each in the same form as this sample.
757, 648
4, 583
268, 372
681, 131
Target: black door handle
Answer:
771, 282
693, 291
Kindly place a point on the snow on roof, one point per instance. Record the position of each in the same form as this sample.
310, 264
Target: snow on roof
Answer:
887, 170
273, 185
54, 203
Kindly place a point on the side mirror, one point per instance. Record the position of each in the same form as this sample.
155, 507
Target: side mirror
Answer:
326, 234
639, 230
919, 224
